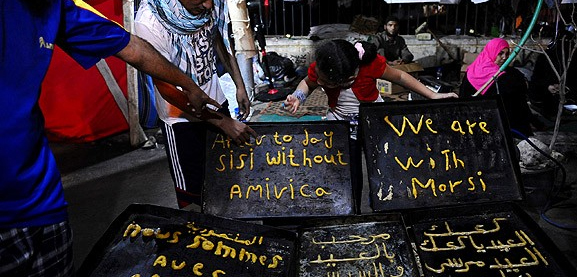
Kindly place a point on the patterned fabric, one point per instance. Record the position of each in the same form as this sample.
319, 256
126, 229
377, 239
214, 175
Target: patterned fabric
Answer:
222, 18
37, 251
176, 18
315, 105
180, 23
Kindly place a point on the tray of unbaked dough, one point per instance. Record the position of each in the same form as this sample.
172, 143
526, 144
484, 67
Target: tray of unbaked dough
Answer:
146, 240
483, 240
367, 245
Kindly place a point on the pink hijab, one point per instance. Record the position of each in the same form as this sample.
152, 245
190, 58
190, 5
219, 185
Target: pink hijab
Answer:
484, 67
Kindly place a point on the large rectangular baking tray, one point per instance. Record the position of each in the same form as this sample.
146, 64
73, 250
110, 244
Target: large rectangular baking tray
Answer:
367, 245
497, 239
291, 170
206, 244
423, 154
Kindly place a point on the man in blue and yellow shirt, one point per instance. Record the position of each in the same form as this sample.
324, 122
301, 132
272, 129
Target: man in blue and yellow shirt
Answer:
35, 239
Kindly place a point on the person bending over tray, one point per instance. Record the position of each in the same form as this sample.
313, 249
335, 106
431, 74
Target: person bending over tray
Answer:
348, 74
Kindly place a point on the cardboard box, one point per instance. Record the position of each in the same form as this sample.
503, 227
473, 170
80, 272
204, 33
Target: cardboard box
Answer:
387, 88
468, 58
412, 68
424, 36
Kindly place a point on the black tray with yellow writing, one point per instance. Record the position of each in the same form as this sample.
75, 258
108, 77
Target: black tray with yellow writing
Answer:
291, 169
368, 245
423, 154
146, 240
483, 240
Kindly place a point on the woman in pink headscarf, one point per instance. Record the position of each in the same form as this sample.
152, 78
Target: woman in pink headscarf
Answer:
510, 85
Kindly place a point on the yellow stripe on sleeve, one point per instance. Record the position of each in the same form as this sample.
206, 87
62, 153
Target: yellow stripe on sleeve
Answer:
84, 5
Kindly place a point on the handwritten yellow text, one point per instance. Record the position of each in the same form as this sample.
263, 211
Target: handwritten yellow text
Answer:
275, 191
449, 186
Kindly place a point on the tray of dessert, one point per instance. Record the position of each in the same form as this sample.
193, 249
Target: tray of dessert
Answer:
290, 170
369, 245
497, 239
148, 240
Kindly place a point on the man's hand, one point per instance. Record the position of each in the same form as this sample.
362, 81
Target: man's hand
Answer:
236, 130
198, 100
190, 101
142, 55
243, 103
291, 103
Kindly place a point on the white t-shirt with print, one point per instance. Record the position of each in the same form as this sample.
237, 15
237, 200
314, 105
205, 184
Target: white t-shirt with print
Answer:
200, 51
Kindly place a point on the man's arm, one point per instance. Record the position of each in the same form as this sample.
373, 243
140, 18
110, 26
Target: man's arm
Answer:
378, 41
140, 54
406, 54
231, 66
236, 130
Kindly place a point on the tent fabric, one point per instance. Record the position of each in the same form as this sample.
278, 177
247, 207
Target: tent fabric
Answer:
76, 103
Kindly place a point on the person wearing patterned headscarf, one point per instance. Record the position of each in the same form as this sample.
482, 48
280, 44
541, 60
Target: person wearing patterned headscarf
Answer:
188, 33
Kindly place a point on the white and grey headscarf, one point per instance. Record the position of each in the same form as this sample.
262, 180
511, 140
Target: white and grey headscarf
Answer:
174, 17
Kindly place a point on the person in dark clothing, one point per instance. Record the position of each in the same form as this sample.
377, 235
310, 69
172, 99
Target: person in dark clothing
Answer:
511, 84
544, 85
392, 46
